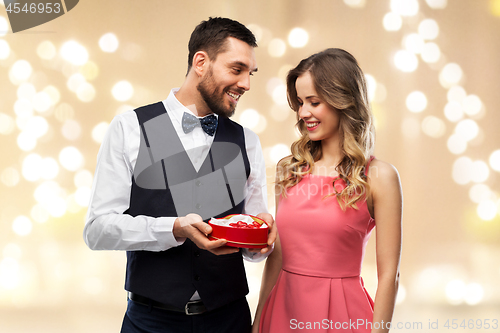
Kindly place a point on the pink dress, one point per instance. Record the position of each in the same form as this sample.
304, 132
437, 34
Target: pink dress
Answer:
319, 288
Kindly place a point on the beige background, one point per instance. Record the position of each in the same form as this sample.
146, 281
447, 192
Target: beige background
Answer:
62, 286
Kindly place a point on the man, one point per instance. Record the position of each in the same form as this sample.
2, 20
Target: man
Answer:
166, 168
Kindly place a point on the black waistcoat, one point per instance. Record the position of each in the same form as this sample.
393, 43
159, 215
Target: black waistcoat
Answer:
170, 186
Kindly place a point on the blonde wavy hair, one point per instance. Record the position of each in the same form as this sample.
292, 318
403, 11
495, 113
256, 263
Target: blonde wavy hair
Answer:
340, 83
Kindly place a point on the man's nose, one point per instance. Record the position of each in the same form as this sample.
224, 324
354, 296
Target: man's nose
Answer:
244, 82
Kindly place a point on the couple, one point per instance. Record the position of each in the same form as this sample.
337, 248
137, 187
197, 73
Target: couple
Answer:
164, 169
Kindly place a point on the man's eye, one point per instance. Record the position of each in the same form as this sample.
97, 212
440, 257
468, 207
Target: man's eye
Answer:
236, 70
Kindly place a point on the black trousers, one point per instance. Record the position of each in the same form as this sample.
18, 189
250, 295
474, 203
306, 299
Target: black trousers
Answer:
231, 318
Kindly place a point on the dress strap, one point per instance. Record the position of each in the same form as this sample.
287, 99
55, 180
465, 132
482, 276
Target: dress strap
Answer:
368, 165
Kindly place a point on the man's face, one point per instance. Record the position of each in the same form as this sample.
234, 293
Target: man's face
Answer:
228, 77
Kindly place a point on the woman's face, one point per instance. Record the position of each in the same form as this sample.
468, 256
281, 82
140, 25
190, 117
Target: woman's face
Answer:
322, 121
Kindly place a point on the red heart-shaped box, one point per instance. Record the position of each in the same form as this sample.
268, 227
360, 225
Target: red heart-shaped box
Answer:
239, 237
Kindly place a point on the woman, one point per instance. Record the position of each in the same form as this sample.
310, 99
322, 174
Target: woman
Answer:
329, 193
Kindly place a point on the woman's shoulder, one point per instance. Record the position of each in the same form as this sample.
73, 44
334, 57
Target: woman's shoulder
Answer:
381, 172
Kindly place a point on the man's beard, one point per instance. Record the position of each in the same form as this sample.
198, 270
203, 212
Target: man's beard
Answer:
213, 97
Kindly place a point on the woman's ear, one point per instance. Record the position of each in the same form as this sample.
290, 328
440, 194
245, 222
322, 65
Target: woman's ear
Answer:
200, 62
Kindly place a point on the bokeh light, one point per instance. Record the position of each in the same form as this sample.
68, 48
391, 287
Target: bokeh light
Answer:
480, 171
474, 293
49, 168
46, 50
26, 141
456, 93
75, 81
453, 111
51, 196
416, 101
278, 151
20, 71
71, 130
392, 21
494, 7
26, 91
400, 298
82, 196
280, 112
99, 131
57, 207
276, 48
4, 49
437, 4
74, 53
472, 105
53, 93
410, 128
42, 102
279, 95
462, 170
9, 272
86, 92
12, 250
272, 83
414, 43
122, 91
455, 291
430, 53
22, 225
39, 214
450, 75
456, 144
467, 129
428, 29
249, 118
10, 177
4, 26
371, 86
30, 167
83, 178
487, 210
355, 3
64, 112
109, 43
7, 124
480, 192
433, 126
298, 37
495, 160
405, 61
37, 126
405, 7
71, 158
89, 71
257, 31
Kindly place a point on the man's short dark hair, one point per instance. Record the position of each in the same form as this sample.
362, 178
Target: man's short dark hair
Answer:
210, 36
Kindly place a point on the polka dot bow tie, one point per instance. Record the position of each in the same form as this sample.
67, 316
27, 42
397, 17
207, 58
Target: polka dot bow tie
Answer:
208, 123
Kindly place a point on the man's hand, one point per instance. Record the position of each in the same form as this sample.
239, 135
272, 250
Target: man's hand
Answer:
192, 226
271, 236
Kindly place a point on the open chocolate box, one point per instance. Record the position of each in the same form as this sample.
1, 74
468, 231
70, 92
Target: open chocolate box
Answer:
240, 231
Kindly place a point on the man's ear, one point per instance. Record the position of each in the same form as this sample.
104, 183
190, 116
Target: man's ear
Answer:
200, 62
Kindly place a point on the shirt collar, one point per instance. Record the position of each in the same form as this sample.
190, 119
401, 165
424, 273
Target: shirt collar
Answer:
176, 108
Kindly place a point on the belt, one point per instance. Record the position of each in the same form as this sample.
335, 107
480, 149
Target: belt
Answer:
191, 307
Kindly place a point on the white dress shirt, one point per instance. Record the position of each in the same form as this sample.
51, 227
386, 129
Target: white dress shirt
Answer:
107, 228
